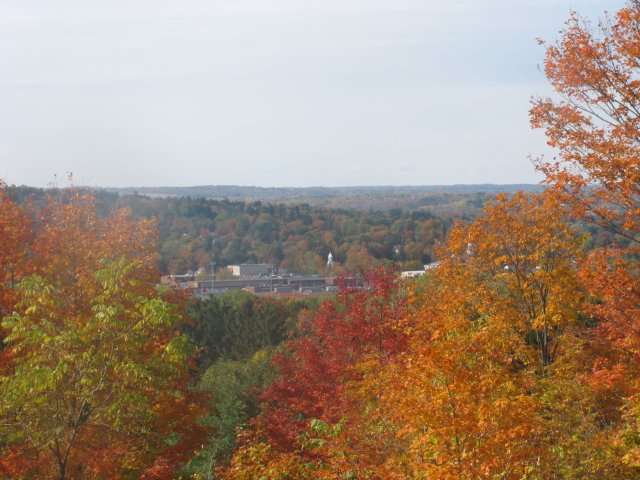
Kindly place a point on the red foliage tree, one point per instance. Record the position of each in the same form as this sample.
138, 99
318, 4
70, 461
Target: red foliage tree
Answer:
319, 364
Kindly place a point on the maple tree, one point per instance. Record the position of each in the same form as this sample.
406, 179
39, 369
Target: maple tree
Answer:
595, 127
487, 346
596, 124
313, 377
524, 258
98, 385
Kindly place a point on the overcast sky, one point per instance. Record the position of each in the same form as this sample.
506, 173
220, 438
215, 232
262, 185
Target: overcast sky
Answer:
274, 92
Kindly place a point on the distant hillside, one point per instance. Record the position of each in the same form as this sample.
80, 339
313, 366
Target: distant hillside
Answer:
296, 228
361, 198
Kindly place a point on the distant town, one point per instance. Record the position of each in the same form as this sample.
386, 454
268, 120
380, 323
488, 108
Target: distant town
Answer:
267, 280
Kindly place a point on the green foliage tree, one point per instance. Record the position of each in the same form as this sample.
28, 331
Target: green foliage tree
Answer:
95, 377
234, 386
237, 324
90, 392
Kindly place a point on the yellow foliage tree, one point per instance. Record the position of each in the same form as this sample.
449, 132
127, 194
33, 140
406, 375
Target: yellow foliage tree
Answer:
490, 386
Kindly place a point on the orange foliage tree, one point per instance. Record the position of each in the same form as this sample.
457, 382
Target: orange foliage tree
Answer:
490, 386
98, 383
596, 129
596, 124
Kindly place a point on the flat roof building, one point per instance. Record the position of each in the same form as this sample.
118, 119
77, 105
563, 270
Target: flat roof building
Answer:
252, 270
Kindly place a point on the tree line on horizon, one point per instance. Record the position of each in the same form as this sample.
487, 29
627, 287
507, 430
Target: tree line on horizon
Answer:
196, 232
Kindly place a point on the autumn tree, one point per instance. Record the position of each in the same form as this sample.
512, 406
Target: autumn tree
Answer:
523, 253
314, 373
595, 127
99, 381
489, 386
15, 238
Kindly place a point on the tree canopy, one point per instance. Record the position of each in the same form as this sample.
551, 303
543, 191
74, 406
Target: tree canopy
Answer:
95, 383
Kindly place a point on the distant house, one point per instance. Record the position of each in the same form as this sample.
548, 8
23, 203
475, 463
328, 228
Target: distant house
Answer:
419, 273
412, 273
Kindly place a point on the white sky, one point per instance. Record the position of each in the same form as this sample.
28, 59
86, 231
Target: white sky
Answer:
274, 92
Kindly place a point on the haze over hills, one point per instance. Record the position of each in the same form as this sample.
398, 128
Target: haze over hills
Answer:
358, 197
237, 191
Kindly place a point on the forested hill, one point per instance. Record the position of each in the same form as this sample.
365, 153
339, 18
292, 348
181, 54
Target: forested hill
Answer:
358, 197
195, 232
